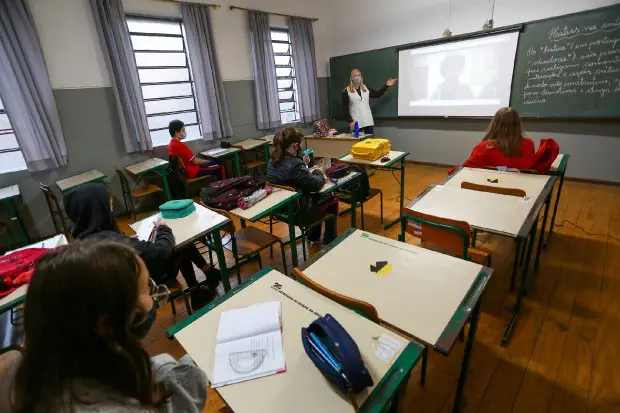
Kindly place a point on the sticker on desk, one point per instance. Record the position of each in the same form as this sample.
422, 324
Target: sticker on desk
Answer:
381, 268
494, 180
524, 199
386, 347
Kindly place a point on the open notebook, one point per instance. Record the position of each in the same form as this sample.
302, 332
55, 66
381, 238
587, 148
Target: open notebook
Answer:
249, 344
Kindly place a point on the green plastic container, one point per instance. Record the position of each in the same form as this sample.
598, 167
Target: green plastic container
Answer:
177, 209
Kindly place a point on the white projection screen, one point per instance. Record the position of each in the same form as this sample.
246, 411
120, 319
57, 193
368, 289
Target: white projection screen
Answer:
465, 78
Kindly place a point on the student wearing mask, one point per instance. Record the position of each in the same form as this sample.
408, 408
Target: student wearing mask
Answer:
82, 354
504, 145
89, 207
288, 167
356, 101
194, 167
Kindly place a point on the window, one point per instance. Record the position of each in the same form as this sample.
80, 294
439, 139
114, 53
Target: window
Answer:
285, 73
165, 76
11, 158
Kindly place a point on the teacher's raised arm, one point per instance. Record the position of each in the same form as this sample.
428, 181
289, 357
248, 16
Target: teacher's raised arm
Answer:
356, 101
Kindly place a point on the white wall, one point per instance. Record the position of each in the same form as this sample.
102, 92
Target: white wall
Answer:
359, 25
74, 58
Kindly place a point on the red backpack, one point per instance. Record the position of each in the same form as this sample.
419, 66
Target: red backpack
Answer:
16, 268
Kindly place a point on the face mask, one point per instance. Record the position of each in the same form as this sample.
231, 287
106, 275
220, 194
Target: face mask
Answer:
143, 322
184, 135
357, 80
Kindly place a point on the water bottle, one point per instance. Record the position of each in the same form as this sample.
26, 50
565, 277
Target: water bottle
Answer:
356, 130
310, 153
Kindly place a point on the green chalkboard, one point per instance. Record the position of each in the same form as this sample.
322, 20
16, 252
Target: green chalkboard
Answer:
377, 66
569, 66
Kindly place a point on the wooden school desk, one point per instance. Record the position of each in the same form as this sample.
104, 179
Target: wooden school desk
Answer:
193, 227
332, 146
396, 157
268, 206
254, 145
152, 166
18, 296
558, 168
426, 295
8, 199
330, 187
302, 388
224, 153
505, 215
81, 179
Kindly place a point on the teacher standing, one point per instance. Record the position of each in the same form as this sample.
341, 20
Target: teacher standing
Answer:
356, 101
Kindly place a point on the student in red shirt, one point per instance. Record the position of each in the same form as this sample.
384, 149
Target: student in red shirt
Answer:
505, 145
194, 167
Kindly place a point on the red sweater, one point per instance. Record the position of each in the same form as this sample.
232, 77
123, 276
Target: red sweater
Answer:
485, 154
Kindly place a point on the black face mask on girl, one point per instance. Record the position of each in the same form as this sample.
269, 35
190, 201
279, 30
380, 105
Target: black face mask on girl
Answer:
143, 322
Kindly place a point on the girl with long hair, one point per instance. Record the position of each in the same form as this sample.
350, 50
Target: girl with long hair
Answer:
287, 167
81, 353
504, 144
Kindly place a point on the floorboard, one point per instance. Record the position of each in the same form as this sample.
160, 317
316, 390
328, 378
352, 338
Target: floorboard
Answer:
564, 353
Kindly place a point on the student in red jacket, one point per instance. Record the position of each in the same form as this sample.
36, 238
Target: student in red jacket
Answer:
194, 167
505, 145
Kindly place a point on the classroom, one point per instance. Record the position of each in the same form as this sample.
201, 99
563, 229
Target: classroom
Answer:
351, 206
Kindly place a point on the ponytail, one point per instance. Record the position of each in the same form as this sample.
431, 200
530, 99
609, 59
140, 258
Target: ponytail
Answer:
277, 152
282, 141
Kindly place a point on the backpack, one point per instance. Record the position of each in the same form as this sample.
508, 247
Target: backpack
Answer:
321, 128
352, 377
361, 186
338, 171
225, 194
16, 268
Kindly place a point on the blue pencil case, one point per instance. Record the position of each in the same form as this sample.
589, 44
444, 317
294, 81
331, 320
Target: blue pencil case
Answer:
344, 366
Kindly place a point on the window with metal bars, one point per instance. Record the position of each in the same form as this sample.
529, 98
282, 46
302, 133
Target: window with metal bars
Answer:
285, 73
165, 76
11, 157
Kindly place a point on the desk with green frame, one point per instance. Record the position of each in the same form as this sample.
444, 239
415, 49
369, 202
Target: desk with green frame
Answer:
156, 166
194, 227
254, 145
8, 200
332, 186
267, 207
505, 215
397, 162
423, 294
301, 388
84, 178
224, 153
558, 168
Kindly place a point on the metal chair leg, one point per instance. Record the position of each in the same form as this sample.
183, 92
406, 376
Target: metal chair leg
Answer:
423, 368
188, 307
259, 260
381, 200
362, 212
271, 232
236, 258
303, 244
283, 258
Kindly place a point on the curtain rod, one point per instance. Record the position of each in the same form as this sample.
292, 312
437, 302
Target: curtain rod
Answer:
215, 6
314, 19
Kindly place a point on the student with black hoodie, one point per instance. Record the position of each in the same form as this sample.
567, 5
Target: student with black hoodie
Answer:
89, 207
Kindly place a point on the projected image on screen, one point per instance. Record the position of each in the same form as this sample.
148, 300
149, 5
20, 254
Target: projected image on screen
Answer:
462, 78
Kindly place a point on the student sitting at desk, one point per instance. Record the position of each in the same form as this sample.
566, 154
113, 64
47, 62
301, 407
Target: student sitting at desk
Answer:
82, 352
194, 167
89, 207
287, 167
505, 145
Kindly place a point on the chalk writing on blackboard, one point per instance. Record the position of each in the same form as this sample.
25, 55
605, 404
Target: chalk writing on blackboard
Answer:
574, 63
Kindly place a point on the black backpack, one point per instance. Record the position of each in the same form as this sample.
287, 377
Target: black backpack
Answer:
360, 187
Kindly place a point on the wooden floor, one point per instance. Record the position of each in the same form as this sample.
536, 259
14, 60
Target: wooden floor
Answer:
565, 351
